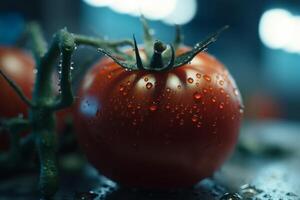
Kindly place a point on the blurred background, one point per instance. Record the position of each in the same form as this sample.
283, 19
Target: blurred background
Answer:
261, 49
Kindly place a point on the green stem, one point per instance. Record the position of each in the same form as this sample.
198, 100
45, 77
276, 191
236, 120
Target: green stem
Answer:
148, 38
96, 42
39, 45
17, 89
14, 127
100, 43
178, 37
157, 59
67, 47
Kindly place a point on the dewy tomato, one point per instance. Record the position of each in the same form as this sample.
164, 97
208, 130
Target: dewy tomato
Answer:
158, 128
19, 67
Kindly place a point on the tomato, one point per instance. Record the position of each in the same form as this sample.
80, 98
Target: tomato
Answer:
261, 106
19, 66
163, 129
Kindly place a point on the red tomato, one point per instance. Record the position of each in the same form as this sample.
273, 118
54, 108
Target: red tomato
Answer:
19, 66
261, 106
158, 129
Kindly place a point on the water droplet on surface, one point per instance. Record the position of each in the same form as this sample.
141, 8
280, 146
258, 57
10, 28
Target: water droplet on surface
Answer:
168, 90
249, 191
149, 85
205, 90
109, 76
198, 75
190, 80
291, 194
153, 108
222, 90
146, 79
179, 86
207, 78
213, 99
231, 196
86, 195
221, 82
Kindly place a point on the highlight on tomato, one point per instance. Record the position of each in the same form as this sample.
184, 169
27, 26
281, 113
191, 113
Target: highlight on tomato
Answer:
19, 66
163, 116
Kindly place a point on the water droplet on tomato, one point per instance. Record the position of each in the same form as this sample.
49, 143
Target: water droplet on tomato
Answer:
194, 118
207, 78
222, 90
241, 110
179, 87
221, 106
146, 79
121, 89
190, 80
197, 96
205, 90
199, 124
149, 85
168, 106
109, 76
213, 99
198, 75
153, 108
181, 122
236, 92
128, 82
221, 82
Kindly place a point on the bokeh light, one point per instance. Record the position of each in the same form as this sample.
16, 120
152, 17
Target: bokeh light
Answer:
279, 29
169, 11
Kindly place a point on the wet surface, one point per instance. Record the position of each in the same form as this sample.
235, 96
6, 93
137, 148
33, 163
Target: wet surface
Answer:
265, 166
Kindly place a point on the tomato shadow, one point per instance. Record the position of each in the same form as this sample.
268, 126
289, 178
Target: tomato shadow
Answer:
205, 190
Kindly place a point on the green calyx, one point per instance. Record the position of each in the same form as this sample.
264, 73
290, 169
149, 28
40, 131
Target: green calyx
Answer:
159, 56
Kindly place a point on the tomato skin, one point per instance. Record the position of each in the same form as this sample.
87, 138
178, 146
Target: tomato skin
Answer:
18, 66
158, 129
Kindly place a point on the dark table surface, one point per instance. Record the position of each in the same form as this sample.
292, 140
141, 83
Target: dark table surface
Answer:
265, 166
